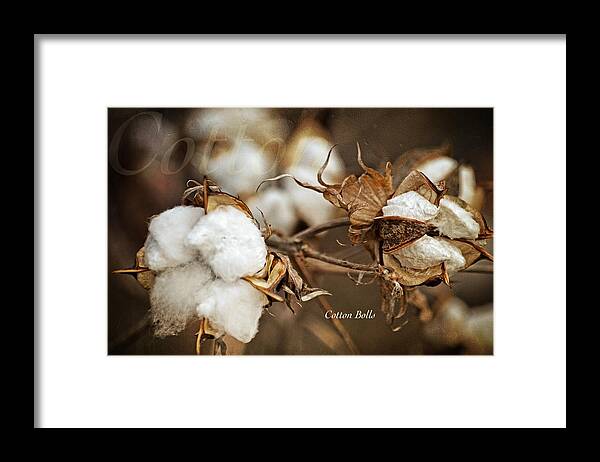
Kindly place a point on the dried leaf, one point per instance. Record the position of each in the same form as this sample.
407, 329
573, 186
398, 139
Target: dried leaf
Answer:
313, 293
471, 251
362, 197
414, 277
258, 284
410, 160
208, 192
393, 300
416, 181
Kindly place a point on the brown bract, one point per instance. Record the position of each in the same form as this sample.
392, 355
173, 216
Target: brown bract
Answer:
362, 197
209, 196
140, 271
410, 160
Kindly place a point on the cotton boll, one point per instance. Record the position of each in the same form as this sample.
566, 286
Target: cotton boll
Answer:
241, 169
410, 205
430, 251
175, 294
310, 205
231, 123
454, 221
276, 206
234, 307
313, 152
467, 186
165, 245
438, 168
229, 242
154, 257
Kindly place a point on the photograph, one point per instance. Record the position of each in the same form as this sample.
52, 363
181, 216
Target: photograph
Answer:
300, 231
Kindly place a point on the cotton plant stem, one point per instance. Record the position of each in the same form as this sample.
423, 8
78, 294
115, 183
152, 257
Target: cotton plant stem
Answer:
294, 247
326, 306
314, 230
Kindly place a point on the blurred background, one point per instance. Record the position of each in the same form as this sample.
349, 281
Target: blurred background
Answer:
154, 151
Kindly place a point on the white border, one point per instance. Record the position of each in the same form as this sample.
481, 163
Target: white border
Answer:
522, 385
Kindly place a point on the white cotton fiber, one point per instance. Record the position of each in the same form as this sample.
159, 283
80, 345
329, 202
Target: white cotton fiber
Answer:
234, 307
277, 208
454, 221
175, 294
165, 245
410, 205
230, 242
310, 205
438, 168
430, 251
241, 169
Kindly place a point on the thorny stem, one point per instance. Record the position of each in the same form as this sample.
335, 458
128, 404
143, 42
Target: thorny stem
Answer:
326, 306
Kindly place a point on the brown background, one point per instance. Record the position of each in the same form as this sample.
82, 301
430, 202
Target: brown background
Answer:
384, 134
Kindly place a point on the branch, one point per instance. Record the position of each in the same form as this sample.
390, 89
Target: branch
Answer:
313, 230
294, 247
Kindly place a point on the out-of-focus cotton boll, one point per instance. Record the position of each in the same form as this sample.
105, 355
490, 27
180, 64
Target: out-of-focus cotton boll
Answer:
479, 330
175, 294
430, 251
234, 307
275, 204
309, 205
454, 221
410, 205
240, 169
438, 168
312, 153
230, 242
257, 123
165, 245
446, 328
467, 185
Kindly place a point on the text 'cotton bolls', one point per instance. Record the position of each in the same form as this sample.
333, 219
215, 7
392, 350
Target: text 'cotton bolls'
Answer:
165, 245
175, 295
230, 243
234, 307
